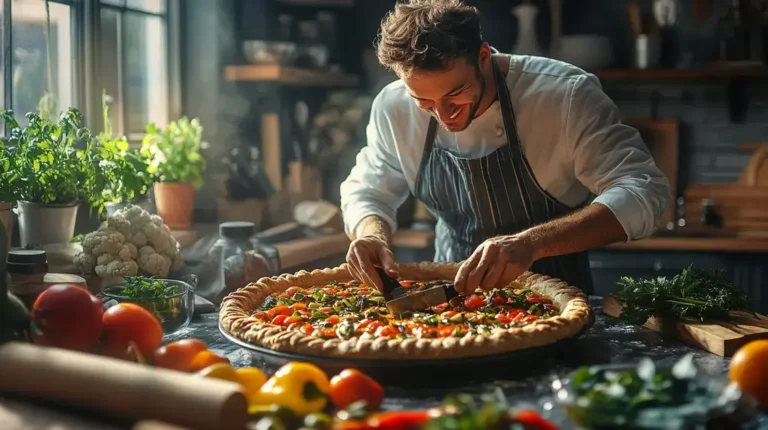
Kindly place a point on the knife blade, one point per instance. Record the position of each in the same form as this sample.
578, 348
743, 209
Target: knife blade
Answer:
390, 284
406, 301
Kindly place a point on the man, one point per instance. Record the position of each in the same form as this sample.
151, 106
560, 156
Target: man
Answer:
506, 152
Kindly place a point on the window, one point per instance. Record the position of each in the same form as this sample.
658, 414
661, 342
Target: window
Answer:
131, 61
135, 64
35, 68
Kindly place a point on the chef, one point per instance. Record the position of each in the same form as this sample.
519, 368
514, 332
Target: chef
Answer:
523, 161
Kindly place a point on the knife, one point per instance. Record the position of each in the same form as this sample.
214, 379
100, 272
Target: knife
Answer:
390, 284
405, 301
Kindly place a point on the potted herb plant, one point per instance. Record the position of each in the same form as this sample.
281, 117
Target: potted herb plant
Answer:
8, 190
55, 168
126, 170
176, 161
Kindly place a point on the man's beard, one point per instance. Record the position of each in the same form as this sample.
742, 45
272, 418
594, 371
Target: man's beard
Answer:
474, 106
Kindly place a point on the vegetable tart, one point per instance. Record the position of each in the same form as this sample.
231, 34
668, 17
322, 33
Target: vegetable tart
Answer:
327, 313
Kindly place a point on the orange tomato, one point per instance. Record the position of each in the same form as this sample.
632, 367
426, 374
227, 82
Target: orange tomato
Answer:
204, 359
126, 324
67, 316
749, 370
351, 386
179, 355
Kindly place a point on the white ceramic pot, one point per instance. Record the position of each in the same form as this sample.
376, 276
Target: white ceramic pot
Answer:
43, 224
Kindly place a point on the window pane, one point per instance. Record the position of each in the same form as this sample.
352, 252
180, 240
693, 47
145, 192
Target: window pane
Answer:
110, 67
30, 57
2, 68
146, 81
114, 2
154, 6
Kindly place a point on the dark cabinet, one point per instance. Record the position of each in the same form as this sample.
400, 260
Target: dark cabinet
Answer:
747, 270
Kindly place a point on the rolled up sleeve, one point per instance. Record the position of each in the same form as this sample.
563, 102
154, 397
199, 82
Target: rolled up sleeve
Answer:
611, 159
376, 185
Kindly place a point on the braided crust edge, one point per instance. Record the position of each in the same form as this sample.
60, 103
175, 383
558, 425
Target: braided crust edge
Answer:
236, 309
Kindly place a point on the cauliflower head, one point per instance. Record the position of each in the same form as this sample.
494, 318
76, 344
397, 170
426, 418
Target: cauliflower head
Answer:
130, 242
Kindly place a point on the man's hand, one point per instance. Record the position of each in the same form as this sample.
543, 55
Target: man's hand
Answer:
365, 255
496, 262
370, 249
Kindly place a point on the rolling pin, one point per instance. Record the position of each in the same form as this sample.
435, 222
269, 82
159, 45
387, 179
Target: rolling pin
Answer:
130, 390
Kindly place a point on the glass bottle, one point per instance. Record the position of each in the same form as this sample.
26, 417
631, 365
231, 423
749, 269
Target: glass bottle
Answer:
734, 34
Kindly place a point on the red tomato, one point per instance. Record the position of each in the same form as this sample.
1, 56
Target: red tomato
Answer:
351, 386
67, 316
505, 319
307, 329
279, 320
128, 323
448, 314
474, 302
292, 290
532, 299
333, 319
297, 307
178, 355
399, 420
325, 310
531, 420
447, 331
498, 300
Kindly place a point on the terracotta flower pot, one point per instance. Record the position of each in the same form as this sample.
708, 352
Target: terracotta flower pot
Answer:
175, 203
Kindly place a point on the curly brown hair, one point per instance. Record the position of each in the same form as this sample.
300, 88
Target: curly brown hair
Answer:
427, 35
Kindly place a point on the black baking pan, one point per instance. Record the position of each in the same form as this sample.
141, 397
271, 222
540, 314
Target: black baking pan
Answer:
447, 371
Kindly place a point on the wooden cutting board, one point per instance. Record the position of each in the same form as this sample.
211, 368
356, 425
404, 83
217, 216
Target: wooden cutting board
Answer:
723, 338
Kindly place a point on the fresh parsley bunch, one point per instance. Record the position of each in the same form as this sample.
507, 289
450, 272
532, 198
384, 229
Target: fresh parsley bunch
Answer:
705, 295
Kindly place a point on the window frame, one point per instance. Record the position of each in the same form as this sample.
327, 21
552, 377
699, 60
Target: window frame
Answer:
85, 17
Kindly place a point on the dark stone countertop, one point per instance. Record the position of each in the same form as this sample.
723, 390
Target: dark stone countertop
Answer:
608, 341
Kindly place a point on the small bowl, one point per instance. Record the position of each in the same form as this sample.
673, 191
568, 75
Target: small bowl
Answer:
174, 311
268, 52
719, 399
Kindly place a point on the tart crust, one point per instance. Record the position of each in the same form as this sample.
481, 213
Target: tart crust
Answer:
237, 308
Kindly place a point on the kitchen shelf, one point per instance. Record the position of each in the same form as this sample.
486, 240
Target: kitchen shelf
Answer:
290, 76
714, 72
319, 3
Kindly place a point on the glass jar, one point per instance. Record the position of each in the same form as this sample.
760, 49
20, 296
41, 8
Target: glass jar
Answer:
27, 269
241, 259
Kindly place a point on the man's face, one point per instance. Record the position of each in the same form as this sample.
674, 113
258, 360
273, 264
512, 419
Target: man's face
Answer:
452, 95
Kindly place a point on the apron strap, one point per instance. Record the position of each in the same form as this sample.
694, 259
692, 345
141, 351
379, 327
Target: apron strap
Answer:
507, 112
429, 143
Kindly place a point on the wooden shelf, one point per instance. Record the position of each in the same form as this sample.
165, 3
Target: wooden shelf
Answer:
289, 76
319, 3
715, 72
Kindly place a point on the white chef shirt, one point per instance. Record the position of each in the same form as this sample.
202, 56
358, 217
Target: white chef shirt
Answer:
570, 132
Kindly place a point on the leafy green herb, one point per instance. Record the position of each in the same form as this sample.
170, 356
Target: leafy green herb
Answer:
174, 151
153, 294
607, 397
126, 170
51, 162
694, 293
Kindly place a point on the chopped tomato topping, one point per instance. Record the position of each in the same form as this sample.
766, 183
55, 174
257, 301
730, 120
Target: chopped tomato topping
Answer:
474, 302
279, 320
333, 319
297, 307
292, 290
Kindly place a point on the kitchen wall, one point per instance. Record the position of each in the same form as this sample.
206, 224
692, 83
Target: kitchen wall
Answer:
709, 139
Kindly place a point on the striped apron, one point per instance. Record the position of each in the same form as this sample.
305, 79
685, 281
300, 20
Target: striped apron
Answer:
477, 199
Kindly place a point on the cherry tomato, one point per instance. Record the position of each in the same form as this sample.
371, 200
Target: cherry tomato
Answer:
204, 359
448, 314
532, 299
178, 355
126, 324
473, 302
504, 319
67, 316
447, 331
325, 310
292, 290
498, 300
328, 333
333, 319
279, 320
351, 386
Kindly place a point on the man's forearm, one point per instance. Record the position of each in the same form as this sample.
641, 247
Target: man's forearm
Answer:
372, 226
591, 227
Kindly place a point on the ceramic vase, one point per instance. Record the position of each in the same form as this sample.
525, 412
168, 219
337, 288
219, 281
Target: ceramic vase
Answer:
527, 43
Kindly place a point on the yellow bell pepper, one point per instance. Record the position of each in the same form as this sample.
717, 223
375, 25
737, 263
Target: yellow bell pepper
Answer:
252, 379
302, 387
